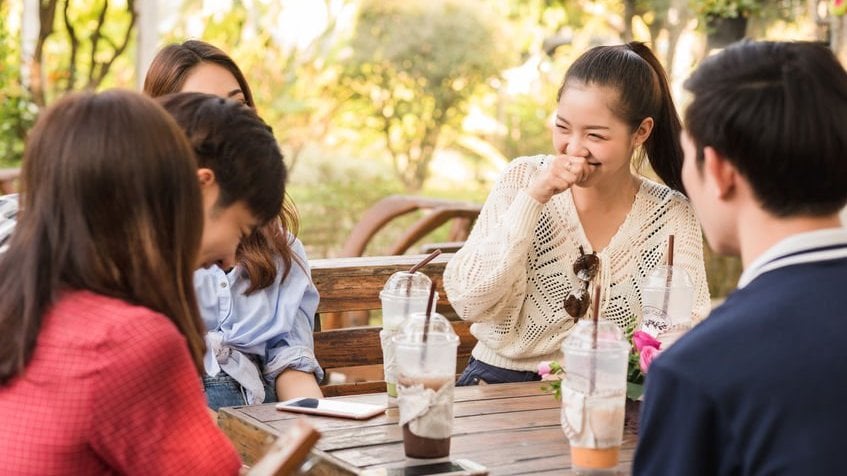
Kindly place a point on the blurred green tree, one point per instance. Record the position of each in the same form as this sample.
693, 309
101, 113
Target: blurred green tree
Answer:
293, 74
412, 68
17, 111
77, 45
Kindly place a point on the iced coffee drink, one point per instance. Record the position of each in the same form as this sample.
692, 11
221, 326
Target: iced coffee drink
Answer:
426, 415
594, 393
426, 379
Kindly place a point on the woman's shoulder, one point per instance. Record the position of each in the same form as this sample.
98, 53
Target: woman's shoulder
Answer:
660, 195
93, 319
297, 246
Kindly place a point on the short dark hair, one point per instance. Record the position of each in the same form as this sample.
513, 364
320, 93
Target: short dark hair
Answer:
235, 143
642, 84
778, 112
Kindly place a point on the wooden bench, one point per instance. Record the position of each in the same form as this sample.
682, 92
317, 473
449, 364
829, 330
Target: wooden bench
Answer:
353, 284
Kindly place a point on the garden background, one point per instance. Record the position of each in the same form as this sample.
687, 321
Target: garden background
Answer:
370, 98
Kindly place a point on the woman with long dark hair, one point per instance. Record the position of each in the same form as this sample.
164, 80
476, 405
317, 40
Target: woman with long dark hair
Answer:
556, 224
101, 343
259, 307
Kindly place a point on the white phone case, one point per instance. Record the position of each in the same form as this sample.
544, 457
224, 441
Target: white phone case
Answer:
336, 408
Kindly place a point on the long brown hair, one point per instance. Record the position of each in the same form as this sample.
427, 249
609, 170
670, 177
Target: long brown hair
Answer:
256, 253
110, 204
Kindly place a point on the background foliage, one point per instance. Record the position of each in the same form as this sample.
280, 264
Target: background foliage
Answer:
370, 98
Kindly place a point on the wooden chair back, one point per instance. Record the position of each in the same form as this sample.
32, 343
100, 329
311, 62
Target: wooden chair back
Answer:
353, 284
436, 213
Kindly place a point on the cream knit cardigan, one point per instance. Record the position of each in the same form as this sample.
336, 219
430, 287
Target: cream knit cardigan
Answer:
512, 275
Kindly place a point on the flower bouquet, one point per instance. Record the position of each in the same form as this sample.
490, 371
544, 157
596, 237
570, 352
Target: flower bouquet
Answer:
644, 349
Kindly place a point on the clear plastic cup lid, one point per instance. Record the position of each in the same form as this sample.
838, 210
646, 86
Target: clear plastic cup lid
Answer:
609, 335
412, 329
679, 277
404, 283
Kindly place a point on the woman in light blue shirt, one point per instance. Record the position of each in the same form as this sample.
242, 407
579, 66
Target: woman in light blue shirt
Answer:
241, 323
260, 307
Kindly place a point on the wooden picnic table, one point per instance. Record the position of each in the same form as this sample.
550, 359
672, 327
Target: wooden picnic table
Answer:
509, 428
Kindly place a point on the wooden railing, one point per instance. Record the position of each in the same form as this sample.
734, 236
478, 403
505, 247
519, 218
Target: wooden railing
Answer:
8, 180
353, 284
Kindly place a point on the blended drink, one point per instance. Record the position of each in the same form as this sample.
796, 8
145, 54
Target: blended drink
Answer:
667, 303
426, 380
594, 394
403, 294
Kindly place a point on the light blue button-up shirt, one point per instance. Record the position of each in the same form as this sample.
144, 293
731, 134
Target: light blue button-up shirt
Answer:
274, 325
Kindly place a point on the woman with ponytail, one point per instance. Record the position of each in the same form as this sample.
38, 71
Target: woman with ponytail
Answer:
514, 277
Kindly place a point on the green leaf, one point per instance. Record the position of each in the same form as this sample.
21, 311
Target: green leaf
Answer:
634, 391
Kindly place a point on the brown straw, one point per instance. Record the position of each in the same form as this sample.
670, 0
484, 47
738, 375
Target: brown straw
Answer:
426, 321
670, 250
429, 310
414, 269
423, 262
596, 319
668, 279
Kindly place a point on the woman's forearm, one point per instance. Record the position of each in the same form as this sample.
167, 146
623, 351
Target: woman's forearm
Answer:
294, 383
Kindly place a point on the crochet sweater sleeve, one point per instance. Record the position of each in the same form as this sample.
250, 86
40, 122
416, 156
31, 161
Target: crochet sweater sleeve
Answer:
486, 279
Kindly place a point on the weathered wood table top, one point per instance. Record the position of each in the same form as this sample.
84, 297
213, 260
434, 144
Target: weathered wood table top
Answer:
509, 428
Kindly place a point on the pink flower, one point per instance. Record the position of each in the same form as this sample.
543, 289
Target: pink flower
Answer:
646, 358
544, 368
642, 339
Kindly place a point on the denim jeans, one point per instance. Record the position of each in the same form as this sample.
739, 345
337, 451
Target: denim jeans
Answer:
223, 391
479, 372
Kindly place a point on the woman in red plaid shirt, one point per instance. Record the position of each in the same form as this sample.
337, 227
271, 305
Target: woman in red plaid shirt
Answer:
100, 339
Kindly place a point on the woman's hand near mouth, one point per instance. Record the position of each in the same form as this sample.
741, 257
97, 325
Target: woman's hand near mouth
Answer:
562, 173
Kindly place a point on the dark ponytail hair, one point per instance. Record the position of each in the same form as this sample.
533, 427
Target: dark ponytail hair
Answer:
642, 84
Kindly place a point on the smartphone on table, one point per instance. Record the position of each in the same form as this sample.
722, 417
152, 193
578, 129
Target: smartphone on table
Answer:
335, 408
455, 467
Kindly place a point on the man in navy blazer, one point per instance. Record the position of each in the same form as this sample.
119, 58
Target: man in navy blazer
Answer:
760, 386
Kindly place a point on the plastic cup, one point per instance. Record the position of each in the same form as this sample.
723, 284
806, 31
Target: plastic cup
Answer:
667, 296
594, 394
425, 383
404, 293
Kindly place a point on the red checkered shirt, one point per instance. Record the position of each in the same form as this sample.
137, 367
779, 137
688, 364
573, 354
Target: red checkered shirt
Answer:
111, 388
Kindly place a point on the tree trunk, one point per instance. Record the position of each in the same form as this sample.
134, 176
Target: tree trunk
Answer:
46, 15
676, 26
628, 15
838, 37
147, 38
428, 145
